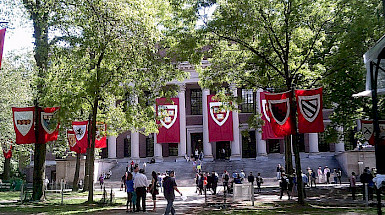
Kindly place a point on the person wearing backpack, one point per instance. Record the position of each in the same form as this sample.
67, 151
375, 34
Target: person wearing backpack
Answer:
283, 185
225, 180
214, 182
259, 180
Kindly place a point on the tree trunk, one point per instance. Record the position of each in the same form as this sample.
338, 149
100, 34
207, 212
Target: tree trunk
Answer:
92, 150
7, 169
288, 156
38, 171
87, 172
75, 186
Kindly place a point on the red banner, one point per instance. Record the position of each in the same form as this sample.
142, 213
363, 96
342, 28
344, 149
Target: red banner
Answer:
71, 137
2, 38
309, 109
49, 124
367, 129
267, 130
81, 133
168, 114
7, 151
101, 135
23, 122
220, 121
279, 113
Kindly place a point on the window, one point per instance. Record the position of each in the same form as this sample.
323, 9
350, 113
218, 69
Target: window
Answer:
173, 149
150, 146
196, 102
127, 147
247, 105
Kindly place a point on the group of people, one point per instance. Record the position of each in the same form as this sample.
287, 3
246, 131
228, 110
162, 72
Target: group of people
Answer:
206, 181
366, 179
104, 176
137, 186
239, 178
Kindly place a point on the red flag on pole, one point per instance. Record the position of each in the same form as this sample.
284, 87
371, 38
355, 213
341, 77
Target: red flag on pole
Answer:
23, 122
220, 121
309, 109
7, 150
367, 129
71, 137
101, 135
2, 38
49, 124
267, 130
168, 114
81, 133
279, 113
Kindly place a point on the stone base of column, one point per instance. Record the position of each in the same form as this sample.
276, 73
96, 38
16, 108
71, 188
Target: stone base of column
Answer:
262, 157
135, 159
235, 158
339, 148
314, 155
208, 158
180, 159
159, 160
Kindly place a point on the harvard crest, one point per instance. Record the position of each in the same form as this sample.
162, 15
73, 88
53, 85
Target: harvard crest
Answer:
49, 121
280, 110
310, 106
218, 113
168, 115
23, 121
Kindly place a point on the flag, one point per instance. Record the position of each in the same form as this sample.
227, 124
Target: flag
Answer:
81, 133
71, 137
267, 130
309, 109
49, 124
279, 113
168, 120
367, 129
2, 38
101, 135
23, 123
220, 121
7, 150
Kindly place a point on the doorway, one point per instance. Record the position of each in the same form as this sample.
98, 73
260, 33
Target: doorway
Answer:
196, 142
248, 145
274, 146
223, 150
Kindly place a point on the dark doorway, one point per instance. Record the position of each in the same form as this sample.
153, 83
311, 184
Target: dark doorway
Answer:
104, 152
150, 146
127, 147
274, 146
173, 149
196, 142
223, 150
248, 145
301, 141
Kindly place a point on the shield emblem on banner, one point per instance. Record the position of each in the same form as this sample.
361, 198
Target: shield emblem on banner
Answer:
49, 121
280, 110
367, 130
265, 109
168, 115
218, 113
80, 131
71, 139
309, 106
23, 121
100, 130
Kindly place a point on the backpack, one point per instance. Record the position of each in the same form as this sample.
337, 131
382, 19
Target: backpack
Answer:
226, 177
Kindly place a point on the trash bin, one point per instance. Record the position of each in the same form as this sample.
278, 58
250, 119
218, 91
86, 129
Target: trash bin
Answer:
242, 192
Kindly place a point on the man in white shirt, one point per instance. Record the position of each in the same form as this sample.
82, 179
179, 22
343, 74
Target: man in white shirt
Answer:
140, 185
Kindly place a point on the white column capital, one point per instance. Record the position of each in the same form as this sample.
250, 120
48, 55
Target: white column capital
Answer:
182, 87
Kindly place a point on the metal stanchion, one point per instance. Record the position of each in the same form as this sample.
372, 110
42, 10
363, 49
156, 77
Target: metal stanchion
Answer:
62, 190
252, 193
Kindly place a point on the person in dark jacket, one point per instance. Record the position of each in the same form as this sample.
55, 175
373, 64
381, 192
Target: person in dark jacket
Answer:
283, 185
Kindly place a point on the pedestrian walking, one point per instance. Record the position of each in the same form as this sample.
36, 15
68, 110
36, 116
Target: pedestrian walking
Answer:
335, 178
313, 179
259, 180
278, 171
283, 185
225, 181
169, 187
154, 189
140, 185
101, 181
339, 175
214, 182
123, 182
320, 175
242, 175
352, 180
251, 178
130, 191
327, 174
305, 180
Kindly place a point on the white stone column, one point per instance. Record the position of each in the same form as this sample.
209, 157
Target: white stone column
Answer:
182, 120
261, 144
340, 146
135, 138
207, 149
235, 144
111, 146
157, 150
313, 143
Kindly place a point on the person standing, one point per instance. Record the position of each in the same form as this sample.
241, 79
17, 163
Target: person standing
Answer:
320, 175
353, 185
225, 180
169, 185
242, 175
313, 178
101, 181
278, 171
305, 181
140, 185
196, 154
283, 185
327, 174
335, 178
153, 189
339, 175
123, 184
130, 190
214, 182
259, 180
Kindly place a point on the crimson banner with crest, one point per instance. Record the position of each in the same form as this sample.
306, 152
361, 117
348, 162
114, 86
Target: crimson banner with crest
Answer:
71, 137
49, 124
220, 121
23, 122
267, 130
309, 109
7, 150
367, 129
81, 133
2, 38
101, 135
279, 113
167, 110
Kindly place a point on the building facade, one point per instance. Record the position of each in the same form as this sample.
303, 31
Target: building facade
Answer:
247, 142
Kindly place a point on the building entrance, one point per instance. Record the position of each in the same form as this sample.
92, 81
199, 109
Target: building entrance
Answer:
248, 145
223, 150
196, 142
274, 146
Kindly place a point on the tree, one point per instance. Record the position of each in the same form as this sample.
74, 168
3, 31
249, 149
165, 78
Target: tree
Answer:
111, 53
268, 44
